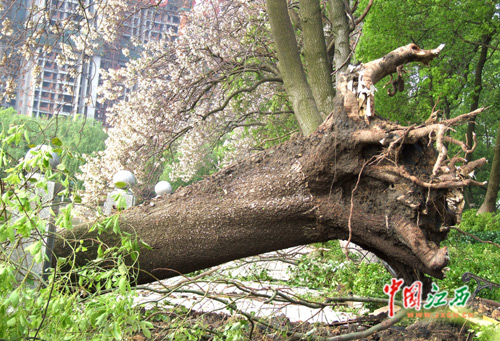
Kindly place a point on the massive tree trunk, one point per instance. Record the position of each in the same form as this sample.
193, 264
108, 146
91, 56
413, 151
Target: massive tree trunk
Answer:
316, 56
378, 184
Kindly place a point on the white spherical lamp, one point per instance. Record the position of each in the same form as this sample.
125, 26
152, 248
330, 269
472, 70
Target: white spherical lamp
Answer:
124, 179
54, 157
163, 187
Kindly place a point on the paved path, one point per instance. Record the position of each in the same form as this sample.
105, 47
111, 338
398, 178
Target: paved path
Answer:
204, 296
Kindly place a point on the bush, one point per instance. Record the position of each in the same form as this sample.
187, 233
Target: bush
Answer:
78, 134
67, 302
469, 255
484, 222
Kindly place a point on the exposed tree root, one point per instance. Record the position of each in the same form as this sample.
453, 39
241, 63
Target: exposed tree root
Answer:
443, 177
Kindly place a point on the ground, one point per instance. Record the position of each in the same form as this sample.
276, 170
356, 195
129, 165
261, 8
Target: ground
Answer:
185, 312
421, 330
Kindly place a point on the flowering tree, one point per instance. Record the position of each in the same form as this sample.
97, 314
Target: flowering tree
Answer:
216, 84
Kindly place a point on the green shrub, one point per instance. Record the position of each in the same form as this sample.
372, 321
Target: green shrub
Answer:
89, 302
484, 222
469, 255
332, 272
78, 134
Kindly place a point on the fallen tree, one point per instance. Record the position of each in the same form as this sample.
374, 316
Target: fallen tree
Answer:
357, 177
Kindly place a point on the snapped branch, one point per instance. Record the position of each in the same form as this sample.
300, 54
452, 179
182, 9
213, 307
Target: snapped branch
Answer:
378, 69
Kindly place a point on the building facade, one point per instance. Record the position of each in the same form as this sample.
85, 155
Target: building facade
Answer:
45, 88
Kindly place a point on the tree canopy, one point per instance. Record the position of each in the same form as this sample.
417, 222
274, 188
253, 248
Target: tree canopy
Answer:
80, 136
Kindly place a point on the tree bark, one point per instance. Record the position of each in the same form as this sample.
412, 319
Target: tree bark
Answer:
478, 87
476, 94
315, 56
340, 29
291, 69
490, 200
381, 185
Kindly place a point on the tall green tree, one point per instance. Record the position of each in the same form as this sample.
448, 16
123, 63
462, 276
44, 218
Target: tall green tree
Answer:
491, 95
457, 81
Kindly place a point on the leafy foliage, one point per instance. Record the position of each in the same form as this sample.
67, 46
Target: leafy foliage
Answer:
469, 255
79, 136
91, 302
330, 269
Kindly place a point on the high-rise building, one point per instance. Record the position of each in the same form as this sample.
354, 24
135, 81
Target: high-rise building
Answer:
46, 88
13, 15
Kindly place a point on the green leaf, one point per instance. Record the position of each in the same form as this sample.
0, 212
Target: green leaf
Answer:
14, 298
116, 225
6, 197
77, 199
26, 136
34, 248
101, 319
122, 203
122, 284
39, 257
121, 184
3, 234
11, 234
145, 326
116, 331
12, 322
146, 245
13, 179
56, 141
122, 269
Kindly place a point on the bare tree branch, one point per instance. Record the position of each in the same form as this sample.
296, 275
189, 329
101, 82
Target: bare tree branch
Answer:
365, 12
239, 91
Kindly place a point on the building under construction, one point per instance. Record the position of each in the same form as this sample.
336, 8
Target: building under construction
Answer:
46, 87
